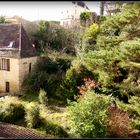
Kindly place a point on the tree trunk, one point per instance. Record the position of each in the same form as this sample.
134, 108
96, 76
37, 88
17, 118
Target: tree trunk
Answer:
102, 7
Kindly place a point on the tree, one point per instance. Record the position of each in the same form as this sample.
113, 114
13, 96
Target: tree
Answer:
87, 18
115, 57
2, 19
51, 36
102, 5
88, 116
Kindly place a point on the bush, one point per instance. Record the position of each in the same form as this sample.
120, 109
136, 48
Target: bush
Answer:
73, 79
11, 110
48, 75
32, 116
135, 123
43, 97
55, 130
91, 32
67, 88
87, 116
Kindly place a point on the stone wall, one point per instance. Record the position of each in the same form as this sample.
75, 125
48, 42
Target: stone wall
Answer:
24, 67
19, 69
11, 76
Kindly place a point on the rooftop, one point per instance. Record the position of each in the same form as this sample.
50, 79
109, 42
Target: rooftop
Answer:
14, 41
80, 3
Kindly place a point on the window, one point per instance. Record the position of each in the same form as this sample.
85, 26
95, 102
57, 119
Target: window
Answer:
7, 87
5, 64
30, 68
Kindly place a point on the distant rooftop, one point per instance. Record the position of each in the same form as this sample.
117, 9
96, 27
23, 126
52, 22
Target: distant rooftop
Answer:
80, 3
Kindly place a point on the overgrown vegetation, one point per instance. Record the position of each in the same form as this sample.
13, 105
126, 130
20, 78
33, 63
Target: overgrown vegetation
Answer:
95, 76
10, 111
87, 117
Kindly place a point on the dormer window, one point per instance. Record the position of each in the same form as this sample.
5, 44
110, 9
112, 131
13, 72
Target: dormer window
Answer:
11, 44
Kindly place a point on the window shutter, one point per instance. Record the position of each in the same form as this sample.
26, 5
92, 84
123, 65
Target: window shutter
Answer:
8, 64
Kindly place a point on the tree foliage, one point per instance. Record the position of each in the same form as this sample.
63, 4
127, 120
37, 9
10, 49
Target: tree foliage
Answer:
115, 57
2, 19
51, 36
43, 97
87, 18
88, 116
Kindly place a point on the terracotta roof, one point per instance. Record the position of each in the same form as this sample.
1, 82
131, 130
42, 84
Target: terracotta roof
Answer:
10, 131
14, 41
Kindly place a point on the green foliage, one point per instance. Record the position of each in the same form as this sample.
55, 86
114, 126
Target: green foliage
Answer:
85, 15
101, 18
11, 110
43, 97
92, 31
43, 25
55, 130
48, 75
51, 36
87, 18
133, 109
88, 116
32, 116
114, 56
2, 19
89, 37
73, 78
135, 123
67, 88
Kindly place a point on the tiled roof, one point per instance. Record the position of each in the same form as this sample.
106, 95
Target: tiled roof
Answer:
80, 3
14, 41
10, 131
9, 33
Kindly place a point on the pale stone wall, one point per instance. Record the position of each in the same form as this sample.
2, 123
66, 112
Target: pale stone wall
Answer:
19, 68
71, 15
11, 76
24, 67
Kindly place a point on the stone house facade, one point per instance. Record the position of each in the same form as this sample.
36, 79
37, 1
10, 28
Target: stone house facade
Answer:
71, 16
18, 57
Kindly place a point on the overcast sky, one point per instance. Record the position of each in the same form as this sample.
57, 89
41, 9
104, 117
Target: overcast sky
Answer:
40, 10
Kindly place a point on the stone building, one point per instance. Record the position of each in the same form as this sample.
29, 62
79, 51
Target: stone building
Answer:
114, 7
71, 16
17, 57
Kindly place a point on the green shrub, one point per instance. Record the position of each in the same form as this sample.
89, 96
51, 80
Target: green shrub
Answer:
55, 130
91, 32
11, 110
135, 123
74, 77
133, 108
32, 116
43, 97
48, 75
67, 88
88, 116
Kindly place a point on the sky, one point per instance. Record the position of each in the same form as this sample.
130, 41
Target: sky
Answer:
40, 10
